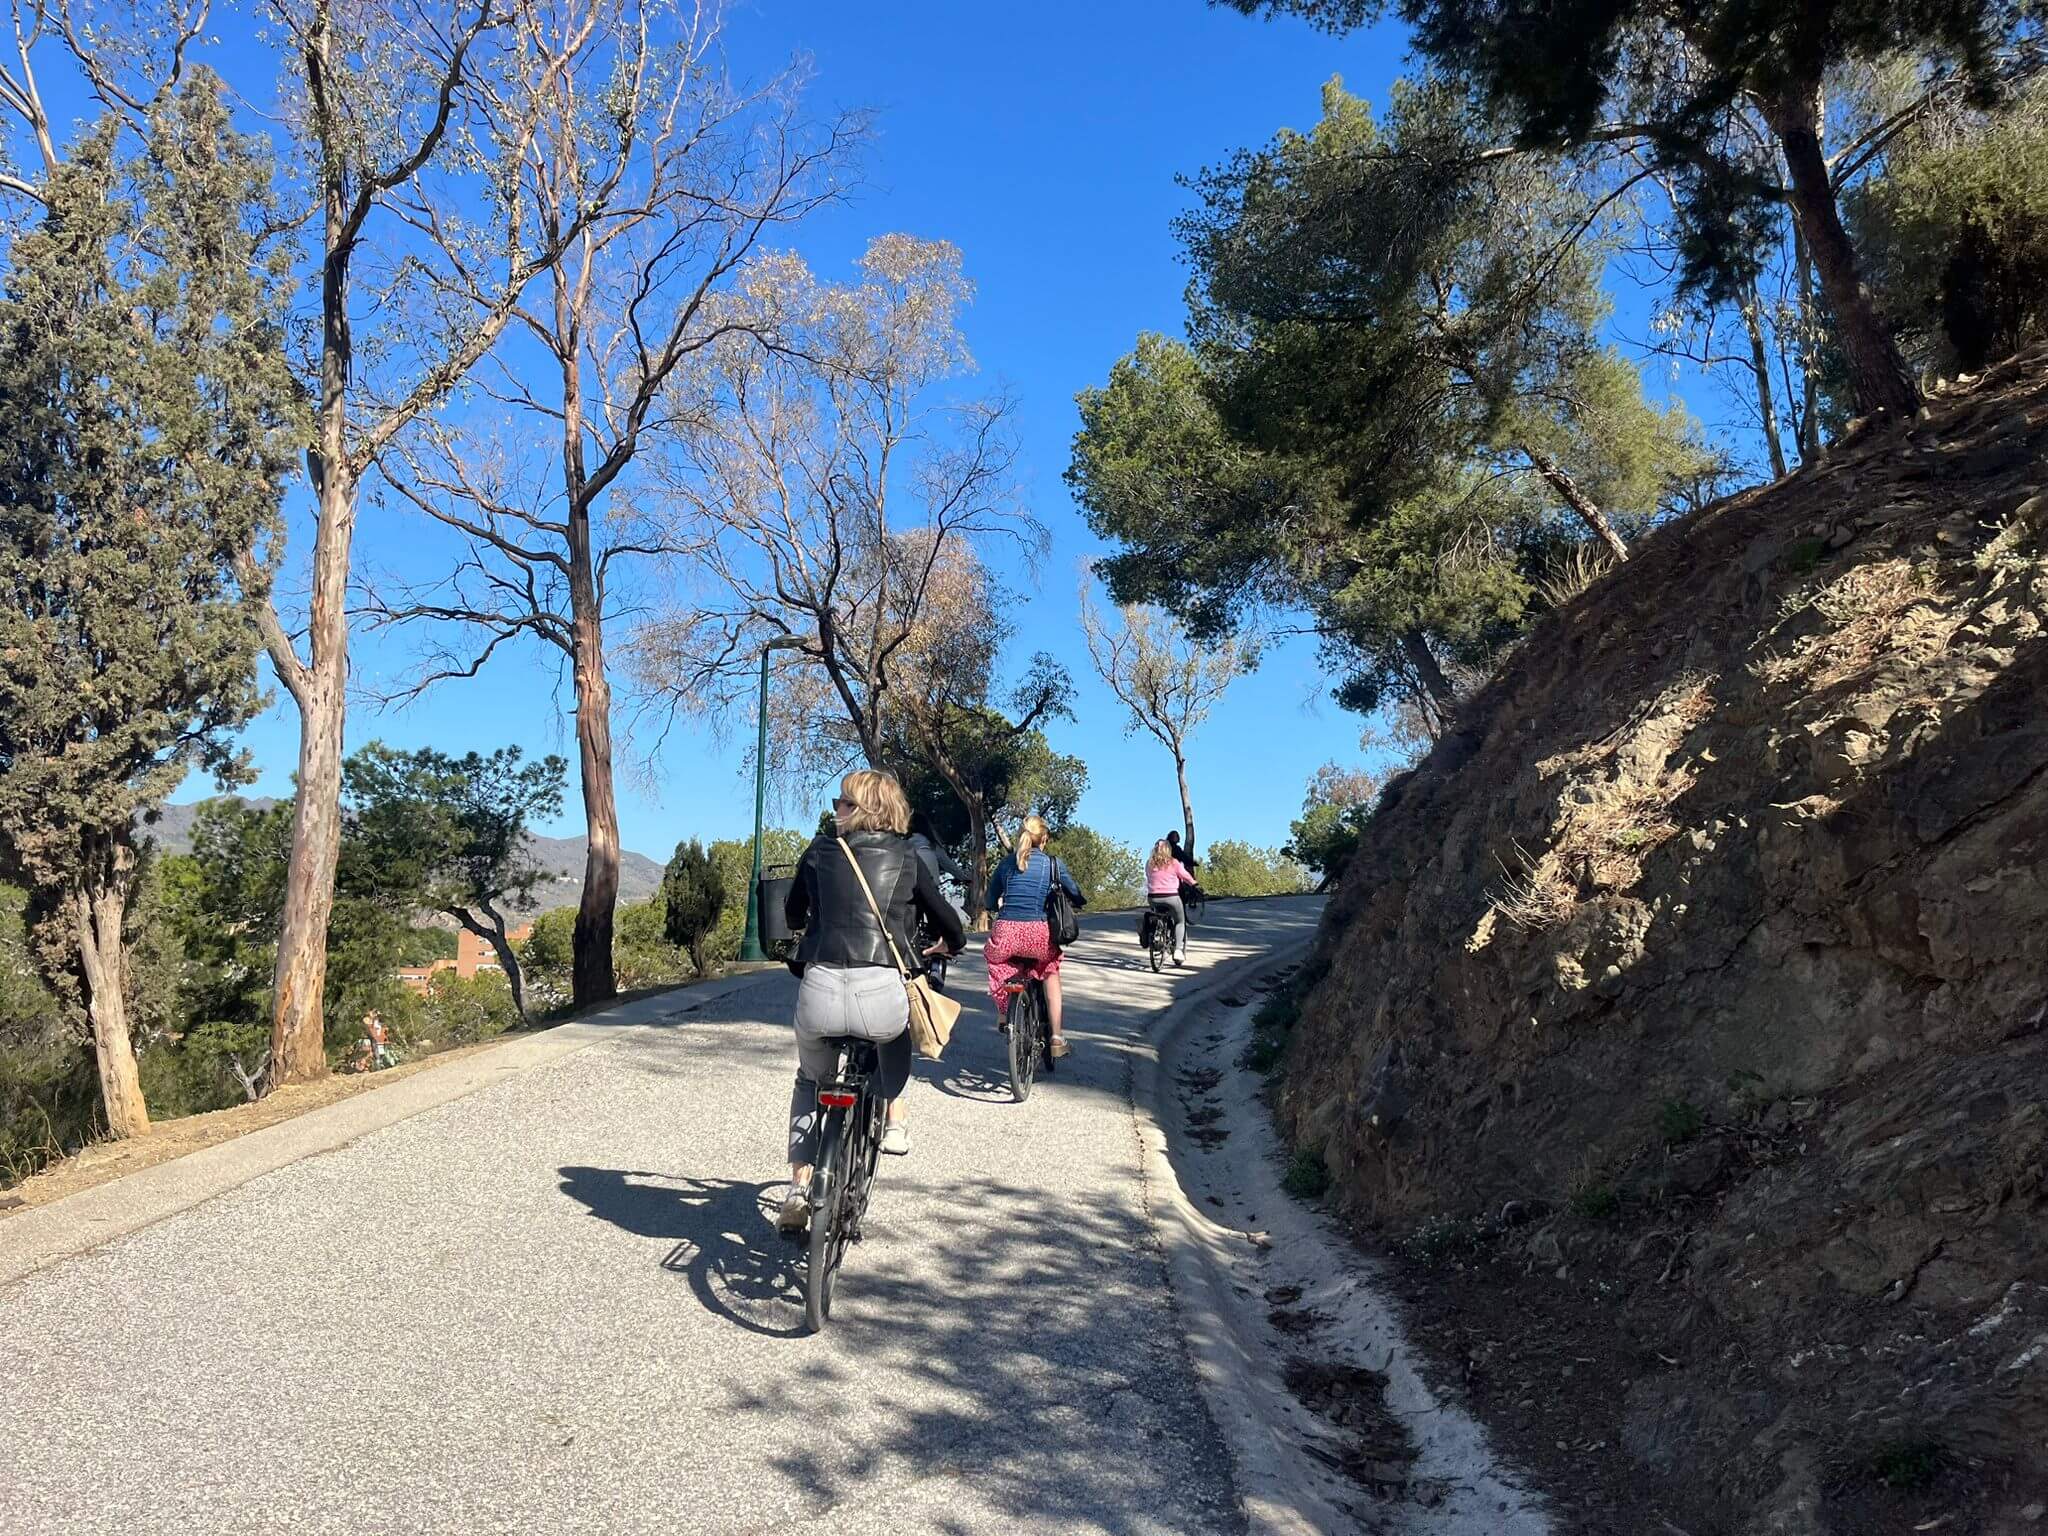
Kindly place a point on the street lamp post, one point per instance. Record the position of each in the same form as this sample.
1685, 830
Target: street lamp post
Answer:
750, 941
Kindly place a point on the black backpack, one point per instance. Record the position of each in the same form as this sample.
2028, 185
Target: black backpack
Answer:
1061, 920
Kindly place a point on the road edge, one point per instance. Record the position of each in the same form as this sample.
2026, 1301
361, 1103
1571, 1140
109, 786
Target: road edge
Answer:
35, 1239
1197, 1268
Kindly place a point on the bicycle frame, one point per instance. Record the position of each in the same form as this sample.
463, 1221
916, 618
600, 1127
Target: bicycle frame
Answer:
849, 1147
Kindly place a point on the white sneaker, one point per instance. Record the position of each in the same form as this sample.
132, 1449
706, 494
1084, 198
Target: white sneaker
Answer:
795, 1214
896, 1140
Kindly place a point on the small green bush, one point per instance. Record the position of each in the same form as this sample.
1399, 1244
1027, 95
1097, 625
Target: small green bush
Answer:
693, 894
1307, 1176
1908, 1465
1272, 1026
1442, 1239
1596, 1202
1679, 1120
462, 1012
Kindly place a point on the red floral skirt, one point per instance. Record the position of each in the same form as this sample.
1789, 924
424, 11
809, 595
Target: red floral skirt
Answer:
1018, 949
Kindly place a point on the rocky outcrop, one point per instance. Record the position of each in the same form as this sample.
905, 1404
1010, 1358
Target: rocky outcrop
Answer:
1728, 902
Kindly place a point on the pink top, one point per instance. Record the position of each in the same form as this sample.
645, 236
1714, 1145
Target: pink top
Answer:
1167, 879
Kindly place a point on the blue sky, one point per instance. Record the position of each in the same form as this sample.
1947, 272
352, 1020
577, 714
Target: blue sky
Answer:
1044, 141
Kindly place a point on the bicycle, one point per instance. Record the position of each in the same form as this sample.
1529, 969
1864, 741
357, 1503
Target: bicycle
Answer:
849, 1147
1030, 1030
1159, 938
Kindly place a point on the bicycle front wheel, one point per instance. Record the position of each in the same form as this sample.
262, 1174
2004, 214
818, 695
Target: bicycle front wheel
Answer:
828, 1205
1023, 1044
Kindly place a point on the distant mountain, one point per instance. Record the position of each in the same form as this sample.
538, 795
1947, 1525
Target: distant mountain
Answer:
560, 857
173, 828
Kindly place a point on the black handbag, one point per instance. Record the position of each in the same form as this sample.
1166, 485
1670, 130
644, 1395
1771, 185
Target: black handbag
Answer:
1061, 920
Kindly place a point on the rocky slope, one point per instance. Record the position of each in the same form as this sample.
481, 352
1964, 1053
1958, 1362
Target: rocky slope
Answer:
1701, 978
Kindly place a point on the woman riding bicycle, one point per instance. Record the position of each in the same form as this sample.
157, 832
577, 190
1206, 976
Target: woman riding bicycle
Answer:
1164, 877
1020, 942
851, 987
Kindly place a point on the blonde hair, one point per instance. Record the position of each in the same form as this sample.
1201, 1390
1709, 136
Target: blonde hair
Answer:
1162, 854
1031, 835
878, 803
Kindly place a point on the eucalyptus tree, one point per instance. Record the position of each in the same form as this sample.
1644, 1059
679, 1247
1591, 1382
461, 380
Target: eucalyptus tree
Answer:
653, 181
414, 130
1167, 681
823, 483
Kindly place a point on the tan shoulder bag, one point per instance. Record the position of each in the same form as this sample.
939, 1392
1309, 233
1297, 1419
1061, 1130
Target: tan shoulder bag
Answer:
932, 1014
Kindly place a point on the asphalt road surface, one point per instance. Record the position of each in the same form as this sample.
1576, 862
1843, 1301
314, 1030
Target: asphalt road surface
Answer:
559, 1304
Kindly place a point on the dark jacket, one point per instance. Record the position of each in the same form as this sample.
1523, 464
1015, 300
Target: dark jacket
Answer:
838, 927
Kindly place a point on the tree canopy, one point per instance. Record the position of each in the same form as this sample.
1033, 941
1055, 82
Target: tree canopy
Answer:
452, 834
151, 421
1676, 84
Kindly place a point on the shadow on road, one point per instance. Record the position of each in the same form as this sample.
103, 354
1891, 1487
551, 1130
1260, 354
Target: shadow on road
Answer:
724, 1234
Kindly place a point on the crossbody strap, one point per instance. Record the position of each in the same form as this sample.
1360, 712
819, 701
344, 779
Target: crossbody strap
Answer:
861, 876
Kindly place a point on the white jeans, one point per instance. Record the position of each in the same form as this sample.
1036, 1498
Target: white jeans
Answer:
860, 1002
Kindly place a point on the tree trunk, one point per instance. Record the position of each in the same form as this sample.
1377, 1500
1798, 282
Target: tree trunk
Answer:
1878, 375
1187, 804
97, 922
978, 867
298, 1043
592, 978
1569, 492
298, 1046
1439, 700
491, 929
1760, 365
1809, 369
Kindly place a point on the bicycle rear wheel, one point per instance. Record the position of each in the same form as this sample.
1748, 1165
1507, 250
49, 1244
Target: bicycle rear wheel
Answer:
828, 1241
1023, 1043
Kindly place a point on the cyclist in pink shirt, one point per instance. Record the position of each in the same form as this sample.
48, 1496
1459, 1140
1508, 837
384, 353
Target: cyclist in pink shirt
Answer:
1164, 876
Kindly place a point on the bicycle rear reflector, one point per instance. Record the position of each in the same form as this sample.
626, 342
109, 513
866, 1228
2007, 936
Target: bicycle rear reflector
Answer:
836, 1098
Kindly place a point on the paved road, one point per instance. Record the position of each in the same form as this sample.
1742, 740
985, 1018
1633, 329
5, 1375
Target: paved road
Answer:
559, 1305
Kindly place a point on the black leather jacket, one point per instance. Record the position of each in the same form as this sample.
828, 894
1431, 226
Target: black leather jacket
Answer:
839, 929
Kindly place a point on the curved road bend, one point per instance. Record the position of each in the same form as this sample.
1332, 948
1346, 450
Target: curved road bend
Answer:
558, 1305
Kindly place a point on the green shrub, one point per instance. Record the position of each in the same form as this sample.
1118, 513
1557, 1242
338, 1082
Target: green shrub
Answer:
1593, 1201
693, 897
1954, 236
1679, 1120
1307, 1176
1233, 868
1443, 1238
641, 952
1111, 874
460, 1012
1272, 1027
1908, 1465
